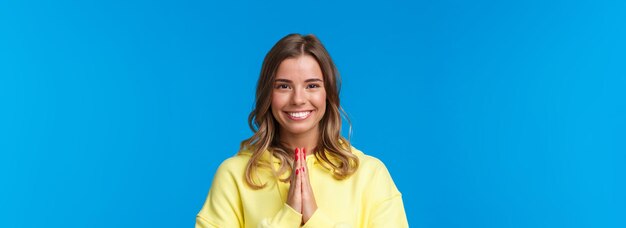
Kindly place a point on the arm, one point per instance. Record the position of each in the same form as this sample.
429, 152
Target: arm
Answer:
222, 207
319, 219
291, 215
387, 209
224, 204
382, 199
287, 217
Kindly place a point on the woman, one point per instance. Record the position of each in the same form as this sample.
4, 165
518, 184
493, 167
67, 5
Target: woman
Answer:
296, 169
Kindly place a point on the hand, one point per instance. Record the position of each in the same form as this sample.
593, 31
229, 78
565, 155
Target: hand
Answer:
294, 197
300, 196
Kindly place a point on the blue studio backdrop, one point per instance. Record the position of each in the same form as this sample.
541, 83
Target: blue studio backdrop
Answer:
487, 113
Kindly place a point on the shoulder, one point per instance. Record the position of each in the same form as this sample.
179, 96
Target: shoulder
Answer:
234, 165
368, 163
376, 176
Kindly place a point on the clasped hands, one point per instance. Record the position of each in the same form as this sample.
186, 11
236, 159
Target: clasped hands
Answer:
300, 196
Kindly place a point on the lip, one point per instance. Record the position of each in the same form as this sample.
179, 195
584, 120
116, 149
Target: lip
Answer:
299, 118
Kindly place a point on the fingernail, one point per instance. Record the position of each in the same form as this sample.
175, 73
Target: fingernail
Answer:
297, 153
297, 171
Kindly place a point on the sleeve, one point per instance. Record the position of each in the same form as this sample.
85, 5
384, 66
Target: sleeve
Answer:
286, 217
319, 219
222, 207
385, 201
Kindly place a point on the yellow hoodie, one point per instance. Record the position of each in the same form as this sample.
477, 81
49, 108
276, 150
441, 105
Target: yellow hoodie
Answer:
368, 198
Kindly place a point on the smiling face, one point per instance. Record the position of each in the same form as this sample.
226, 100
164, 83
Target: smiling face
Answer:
298, 96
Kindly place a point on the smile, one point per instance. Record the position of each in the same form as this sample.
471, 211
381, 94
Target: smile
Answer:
299, 115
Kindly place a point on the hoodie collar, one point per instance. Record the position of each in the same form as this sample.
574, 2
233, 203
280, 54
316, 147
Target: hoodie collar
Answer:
266, 156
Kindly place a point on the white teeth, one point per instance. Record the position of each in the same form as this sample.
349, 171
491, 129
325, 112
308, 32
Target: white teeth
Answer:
299, 114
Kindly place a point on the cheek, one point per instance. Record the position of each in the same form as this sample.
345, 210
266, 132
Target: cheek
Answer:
278, 102
320, 101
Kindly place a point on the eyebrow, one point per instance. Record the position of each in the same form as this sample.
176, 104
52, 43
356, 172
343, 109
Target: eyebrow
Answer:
308, 80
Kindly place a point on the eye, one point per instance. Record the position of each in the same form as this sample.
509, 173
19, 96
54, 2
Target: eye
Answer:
282, 86
312, 86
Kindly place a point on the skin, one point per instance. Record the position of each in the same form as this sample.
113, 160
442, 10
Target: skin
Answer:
300, 196
299, 86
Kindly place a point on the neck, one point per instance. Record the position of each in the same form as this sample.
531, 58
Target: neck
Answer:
308, 140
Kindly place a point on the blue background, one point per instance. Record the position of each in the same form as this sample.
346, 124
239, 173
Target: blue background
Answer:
487, 113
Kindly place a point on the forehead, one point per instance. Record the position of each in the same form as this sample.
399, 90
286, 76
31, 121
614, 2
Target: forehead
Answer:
304, 67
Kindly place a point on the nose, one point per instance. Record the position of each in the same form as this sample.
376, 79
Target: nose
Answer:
298, 97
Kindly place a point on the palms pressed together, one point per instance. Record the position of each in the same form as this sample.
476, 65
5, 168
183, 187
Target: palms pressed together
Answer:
300, 196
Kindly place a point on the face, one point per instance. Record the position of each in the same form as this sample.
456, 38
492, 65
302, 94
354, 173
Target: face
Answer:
298, 96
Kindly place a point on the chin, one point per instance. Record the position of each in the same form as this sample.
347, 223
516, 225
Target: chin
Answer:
298, 130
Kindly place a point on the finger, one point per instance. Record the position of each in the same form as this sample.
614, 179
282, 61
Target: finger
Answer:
309, 206
295, 159
298, 163
304, 168
308, 198
293, 179
306, 183
307, 190
301, 164
298, 158
304, 164
294, 167
298, 187
295, 189
303, 158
